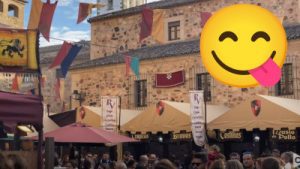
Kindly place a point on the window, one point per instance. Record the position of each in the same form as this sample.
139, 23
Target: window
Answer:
13, 11
110, 5
141, 93
1, 6
201, 80
285, 85
174, 30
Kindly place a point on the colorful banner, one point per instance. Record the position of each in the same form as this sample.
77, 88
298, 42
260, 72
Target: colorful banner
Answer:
110, 109
169, 79
198, 117
18, 48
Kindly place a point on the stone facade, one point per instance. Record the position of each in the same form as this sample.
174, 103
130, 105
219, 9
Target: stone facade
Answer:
122, 33
122, 36
13, 19
47, 55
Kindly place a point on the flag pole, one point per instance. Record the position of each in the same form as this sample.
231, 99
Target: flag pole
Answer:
205, 105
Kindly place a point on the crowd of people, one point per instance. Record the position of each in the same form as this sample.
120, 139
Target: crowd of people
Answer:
209, 159
12, 161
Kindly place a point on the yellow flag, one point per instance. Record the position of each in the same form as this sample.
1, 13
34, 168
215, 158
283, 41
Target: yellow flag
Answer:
35, 14
158, 25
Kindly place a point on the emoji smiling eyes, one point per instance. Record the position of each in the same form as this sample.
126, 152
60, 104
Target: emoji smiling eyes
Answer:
260, 34
256, 35
228, 34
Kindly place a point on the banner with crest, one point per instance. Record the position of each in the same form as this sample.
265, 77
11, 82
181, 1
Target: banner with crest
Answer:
18, 48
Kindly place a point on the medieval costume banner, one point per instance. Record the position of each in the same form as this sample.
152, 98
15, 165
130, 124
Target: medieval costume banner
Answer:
198, 117
110, 108
18, 48
169, 79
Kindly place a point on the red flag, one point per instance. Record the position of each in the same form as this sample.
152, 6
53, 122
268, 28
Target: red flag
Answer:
64, 50
170, 79
15, 85
46, 18
204, 17
84, 11
146, 24
57, 89
127, 63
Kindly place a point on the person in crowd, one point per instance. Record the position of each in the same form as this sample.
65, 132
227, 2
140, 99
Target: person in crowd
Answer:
270, 163
234, 164
126, 157
87, 164
164, 164
276, 153
199, 160
143, 162
258, 162
16, 162
218, 164
120, 165
248, 160
287, 157
3, 162
105, 159
234, 156
69, 165
65, 159
131, 164
152, 161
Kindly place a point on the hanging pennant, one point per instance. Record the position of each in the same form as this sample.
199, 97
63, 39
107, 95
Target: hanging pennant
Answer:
47, 13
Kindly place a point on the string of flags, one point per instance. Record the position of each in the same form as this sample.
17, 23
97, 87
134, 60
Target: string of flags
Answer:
134, 64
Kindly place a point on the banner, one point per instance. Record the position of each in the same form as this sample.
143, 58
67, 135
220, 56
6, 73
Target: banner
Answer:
110, 109
198, 117
169, 79
18, 48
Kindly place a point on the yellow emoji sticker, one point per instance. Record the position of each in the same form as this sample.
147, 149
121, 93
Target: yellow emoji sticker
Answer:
244, 45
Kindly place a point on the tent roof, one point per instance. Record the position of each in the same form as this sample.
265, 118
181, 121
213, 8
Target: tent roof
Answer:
21, 108
274, 113
176, 117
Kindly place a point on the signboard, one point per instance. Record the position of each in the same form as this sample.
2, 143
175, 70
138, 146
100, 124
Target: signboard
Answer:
110, 109
18, 48
181, 136
284, 135
140, 136
198, 117
230, 136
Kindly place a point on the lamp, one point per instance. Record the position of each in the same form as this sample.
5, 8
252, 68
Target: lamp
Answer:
160, 139
78, 96
25, 128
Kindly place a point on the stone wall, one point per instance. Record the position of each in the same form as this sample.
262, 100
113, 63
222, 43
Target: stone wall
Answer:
121, 34
15, 22
47, 55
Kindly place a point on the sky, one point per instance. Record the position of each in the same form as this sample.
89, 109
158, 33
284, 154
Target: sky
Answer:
64, 24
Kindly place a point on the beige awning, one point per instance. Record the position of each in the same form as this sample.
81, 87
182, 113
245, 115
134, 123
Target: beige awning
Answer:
175, 118
274, 113
93, 116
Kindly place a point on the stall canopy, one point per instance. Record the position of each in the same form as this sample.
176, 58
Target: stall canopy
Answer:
20, 108
175, 117
260, 112
93, 115
82, 133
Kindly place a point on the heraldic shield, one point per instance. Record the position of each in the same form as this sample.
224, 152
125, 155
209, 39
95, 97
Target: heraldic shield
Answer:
255, 107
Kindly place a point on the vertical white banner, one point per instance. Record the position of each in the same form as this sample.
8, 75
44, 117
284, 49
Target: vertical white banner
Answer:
198, 117
110, 109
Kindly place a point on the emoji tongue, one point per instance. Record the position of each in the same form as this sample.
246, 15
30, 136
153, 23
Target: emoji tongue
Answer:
267, 74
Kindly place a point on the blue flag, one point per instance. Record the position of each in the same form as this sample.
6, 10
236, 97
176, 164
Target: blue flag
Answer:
135, 66
69, 59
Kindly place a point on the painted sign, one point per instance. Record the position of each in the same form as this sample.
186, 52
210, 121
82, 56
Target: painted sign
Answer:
18, 48
230, 136
110, 109
198, 117
284, 135
140, 136
181, 136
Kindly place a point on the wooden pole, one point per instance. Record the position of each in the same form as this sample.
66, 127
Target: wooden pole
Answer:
49, 153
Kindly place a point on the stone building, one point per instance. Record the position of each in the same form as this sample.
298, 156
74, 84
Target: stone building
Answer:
117, 5
12, 13
117, 35
47, 55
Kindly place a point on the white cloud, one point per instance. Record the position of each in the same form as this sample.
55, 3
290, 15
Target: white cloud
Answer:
148, 1
68, 35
